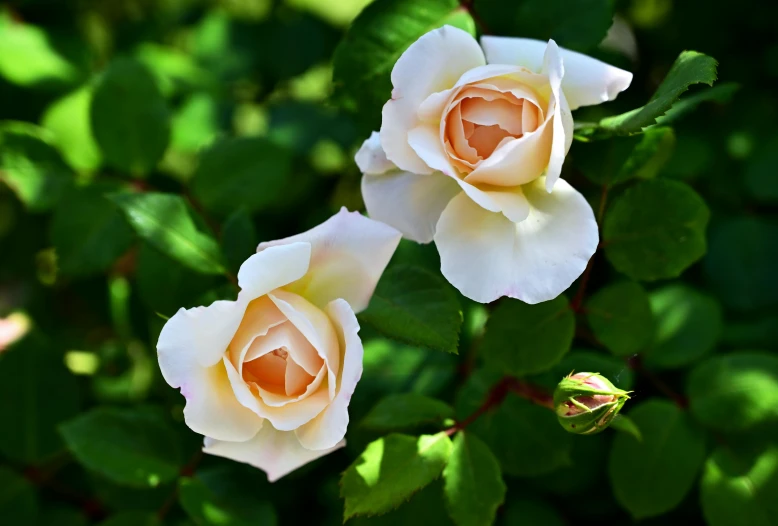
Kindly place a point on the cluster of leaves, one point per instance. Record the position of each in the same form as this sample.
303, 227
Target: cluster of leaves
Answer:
147, 147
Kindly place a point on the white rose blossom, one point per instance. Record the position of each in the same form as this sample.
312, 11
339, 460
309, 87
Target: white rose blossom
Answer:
268, 378
470, 152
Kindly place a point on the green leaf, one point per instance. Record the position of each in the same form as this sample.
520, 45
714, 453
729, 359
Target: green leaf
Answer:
761, 180
130, 119
526, 339
721, 93
87, 231
415, 306
37, 393
406, 411
174, 70
655, 230
133, 447
390, 470
28, 59
31, 166
736, 391
741, 262
165, 221
588, 460
206, 505
365, 57
625, 425
166, 286
525, 437
579, 25
247, 172
68, 120
424, 507
652, 476
239, 238
688, 69
534, 512
132, 518
735, 490
688, 326
18, 501
474, 488
620, 317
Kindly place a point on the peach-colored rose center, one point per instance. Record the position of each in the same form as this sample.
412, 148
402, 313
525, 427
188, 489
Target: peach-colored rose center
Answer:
272, 355
481, 119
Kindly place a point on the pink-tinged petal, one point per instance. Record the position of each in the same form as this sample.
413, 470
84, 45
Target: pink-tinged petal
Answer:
329, 427
286, 336
433, 106
486, 256
502, 113
432, 64
563, 119
348, 255
283, 416
426, 142
458, 136
198, 336
371, 158
409, 202
212, 408
587, 81
517, 161
317, 328
271, 269
277, 453
260, 316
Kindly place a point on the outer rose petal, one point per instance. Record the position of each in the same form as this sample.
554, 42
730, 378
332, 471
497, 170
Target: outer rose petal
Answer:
329, 427
190, 350
563, 119
371, 158
433, 63
587, 81
348, 255
486, 256
274, 452
272, 269
409, 202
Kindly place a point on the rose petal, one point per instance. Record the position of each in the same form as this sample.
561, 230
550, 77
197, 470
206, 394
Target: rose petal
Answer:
296, 378
409, 202
509, 201
315, 326
587, 81
348, 255
260, 316
212, 408
284, 414
486, 256
503, 113
456, 134
432, 64
371, 158
287, 336
277, 453
329, 427
426, 141
517, 161
272, 269
563, 119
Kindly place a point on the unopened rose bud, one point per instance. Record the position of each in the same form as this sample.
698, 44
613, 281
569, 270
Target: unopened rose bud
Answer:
586, 403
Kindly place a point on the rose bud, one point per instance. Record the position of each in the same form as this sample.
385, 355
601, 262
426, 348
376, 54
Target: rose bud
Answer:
586, 403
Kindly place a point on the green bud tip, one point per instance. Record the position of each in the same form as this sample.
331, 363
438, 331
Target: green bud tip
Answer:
587, 403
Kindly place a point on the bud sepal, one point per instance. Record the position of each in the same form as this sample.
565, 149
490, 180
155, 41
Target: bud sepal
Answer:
587, 403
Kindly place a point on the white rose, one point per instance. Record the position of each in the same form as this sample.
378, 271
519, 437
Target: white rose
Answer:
268, 378
470, 148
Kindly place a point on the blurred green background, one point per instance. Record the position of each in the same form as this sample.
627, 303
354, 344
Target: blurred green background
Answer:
260, 146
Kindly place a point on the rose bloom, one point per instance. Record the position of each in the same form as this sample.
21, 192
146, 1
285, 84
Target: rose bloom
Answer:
470, 153
268, 378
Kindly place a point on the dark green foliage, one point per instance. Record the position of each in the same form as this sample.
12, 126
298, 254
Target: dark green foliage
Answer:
146, 148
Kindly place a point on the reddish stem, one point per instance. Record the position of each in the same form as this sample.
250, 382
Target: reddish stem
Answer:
497, 395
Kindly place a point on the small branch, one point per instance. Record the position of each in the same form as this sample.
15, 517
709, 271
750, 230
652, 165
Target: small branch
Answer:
467, 5
186, 471
497, 395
